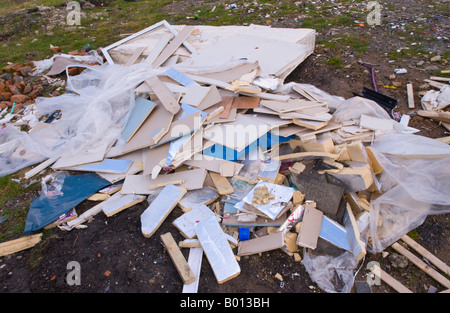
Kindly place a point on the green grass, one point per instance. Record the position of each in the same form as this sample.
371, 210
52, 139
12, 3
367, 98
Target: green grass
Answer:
335, 62
14, 225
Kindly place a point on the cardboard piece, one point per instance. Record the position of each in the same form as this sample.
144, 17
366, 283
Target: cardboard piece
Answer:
160, 208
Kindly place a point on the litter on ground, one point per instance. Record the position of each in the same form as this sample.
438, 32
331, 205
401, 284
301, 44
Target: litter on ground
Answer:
200, 119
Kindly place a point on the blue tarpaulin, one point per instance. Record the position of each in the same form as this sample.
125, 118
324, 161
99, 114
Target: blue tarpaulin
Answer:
75, 189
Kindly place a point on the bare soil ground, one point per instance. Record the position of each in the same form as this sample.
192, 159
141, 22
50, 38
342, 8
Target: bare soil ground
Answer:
116, 258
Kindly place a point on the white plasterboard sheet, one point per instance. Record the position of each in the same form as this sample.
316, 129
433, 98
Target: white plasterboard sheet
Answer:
217, 249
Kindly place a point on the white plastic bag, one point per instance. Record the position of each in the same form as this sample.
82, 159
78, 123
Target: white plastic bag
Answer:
415, 182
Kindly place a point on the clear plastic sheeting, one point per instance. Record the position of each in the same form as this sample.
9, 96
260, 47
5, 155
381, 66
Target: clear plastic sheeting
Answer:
94, 111
331, 274
415, 181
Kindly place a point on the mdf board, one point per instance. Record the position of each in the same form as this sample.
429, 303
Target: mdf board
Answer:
290, 105
182, 127
164, 95
19, 244
138, 115
173, 45
214, 164
272, 55
310, 229
178, 259
140, 184
221, 183
154, 159
124, 202
160, 208
112, 166
238, 134
154, 127
83, 157
195, 263
261, 244
185, 223
217, 250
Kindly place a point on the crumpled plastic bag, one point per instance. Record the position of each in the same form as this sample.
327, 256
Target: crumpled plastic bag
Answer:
331, 274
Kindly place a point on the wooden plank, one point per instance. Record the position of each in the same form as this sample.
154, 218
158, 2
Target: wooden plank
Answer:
178, 259
39, 168
439, 116
440, 79
422, 265
173, 45
163, 93
136, 54
217, 250
410, 95
160, 208
162, 43
122, 203
388, 279
22, 243
310, 229
195, 263
222, 184
261, 244
425, 253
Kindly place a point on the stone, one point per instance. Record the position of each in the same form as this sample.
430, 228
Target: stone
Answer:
436, 58
19, 98
398, 261
5, 104
5, 95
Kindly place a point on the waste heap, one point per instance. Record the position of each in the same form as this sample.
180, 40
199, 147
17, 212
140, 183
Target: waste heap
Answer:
199, 118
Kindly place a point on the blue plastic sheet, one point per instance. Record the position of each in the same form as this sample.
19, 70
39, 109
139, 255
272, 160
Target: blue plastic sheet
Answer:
75, 189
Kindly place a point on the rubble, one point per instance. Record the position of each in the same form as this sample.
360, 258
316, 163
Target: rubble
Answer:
199, 117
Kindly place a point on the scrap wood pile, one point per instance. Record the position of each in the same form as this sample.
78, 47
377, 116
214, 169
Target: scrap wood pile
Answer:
198, 118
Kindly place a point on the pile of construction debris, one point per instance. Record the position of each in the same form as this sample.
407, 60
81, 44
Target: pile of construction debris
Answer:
199, 117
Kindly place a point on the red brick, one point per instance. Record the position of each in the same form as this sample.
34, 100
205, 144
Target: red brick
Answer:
19, 98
